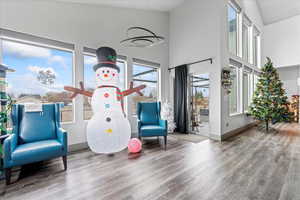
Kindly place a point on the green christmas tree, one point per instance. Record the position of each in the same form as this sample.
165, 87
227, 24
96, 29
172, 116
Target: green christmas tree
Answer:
269, 103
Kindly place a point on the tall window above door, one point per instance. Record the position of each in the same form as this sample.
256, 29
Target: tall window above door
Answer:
232, 29
246, 38
243, 36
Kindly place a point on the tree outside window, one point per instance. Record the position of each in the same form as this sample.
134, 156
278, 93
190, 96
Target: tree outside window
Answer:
41, 74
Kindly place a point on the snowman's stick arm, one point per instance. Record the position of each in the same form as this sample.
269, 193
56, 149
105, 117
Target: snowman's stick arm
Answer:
77, 91
133, 90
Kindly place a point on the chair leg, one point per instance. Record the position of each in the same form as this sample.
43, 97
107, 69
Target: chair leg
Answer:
165, 142
7, 175
64, 158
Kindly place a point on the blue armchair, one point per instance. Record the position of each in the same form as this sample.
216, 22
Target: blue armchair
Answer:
36, 136
149, 122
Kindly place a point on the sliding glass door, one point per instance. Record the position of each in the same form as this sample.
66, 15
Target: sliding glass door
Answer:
198, 103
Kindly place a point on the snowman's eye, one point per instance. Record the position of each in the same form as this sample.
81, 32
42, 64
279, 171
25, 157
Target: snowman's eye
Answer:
107, 71
103, 71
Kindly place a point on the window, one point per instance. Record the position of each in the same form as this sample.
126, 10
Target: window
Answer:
147, 75
232, 28
41, 74
245, 38
234, 96
90, 83
244, 49
255, 41
246, 89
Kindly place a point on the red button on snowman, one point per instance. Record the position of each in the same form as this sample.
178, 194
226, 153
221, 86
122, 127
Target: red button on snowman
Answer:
108, 131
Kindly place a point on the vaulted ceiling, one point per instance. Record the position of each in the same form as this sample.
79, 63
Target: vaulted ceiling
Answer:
277, 10
160, 5
271, 10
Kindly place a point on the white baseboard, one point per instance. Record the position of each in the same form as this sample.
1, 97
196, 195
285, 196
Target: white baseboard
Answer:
237, 131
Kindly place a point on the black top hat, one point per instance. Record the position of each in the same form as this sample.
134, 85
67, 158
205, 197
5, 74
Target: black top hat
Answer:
107, 57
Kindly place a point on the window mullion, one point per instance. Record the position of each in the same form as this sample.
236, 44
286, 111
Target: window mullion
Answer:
241, 85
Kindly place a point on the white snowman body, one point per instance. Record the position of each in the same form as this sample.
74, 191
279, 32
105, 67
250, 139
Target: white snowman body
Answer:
108, 131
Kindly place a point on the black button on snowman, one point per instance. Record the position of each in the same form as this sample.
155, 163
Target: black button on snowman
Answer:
108, 131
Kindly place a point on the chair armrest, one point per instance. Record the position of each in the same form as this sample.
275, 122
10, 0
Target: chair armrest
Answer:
164, 124
3, 137
9, 146
139, 123
62, 137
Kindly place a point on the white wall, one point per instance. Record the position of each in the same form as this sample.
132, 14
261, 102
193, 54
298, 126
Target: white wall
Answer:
198, 30
195, 35
289, 76
281, 42
91, 26
251, 9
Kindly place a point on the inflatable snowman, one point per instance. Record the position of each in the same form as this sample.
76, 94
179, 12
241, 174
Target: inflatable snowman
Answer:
108, 131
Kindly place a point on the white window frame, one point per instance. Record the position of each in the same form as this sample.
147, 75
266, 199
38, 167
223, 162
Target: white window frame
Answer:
249, 73
243, 20
239, 91
256, 34
239, 60
236, 7
42, 45
155, 66
247, 23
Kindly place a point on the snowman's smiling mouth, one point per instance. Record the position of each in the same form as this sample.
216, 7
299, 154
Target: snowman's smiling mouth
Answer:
106, 78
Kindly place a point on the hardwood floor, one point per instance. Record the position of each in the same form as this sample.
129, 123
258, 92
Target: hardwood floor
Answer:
251, 166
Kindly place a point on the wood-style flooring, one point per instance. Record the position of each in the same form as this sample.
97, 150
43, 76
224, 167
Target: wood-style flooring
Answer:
251, 166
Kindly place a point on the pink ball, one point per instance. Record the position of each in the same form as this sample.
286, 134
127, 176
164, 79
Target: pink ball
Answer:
134, 145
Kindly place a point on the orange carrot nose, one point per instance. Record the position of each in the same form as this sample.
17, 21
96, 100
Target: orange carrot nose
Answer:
105, 75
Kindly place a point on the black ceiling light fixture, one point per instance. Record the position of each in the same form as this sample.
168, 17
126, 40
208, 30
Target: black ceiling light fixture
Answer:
141, 37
